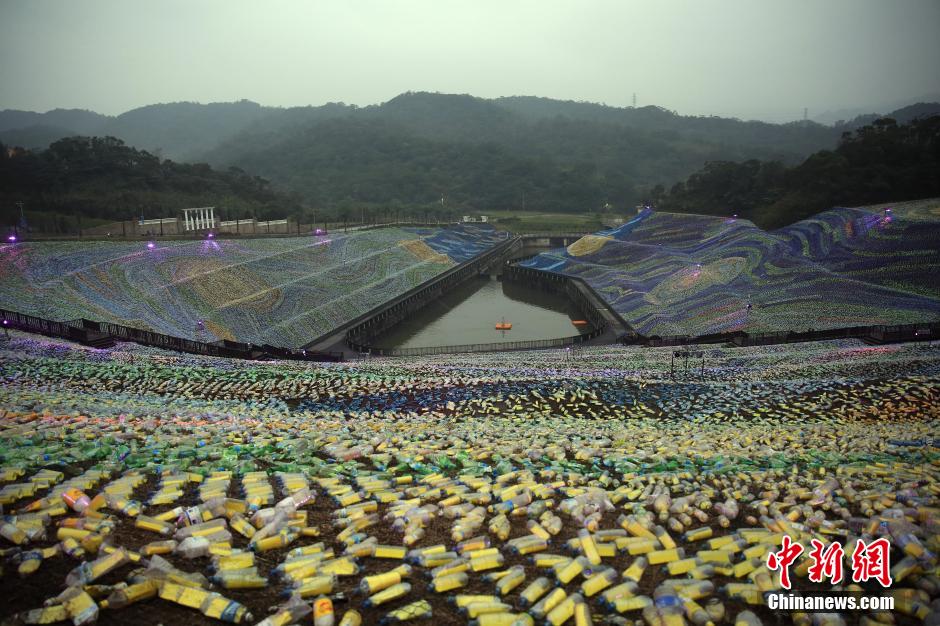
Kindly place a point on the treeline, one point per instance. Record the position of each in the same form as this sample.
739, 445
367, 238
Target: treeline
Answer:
882, 162
100, 178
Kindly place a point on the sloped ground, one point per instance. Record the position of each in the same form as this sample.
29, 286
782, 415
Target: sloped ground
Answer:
285, 292
833, 440
669, 274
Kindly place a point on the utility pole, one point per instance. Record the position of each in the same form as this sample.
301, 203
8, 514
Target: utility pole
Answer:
805, 113
634, 99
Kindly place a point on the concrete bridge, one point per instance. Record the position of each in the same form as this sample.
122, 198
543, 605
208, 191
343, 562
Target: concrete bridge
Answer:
550, 240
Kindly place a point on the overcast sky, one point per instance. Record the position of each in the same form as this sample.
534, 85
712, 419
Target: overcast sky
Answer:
743, 58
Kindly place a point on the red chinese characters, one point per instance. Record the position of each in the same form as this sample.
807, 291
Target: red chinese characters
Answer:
826, 563
872, 561
782, 560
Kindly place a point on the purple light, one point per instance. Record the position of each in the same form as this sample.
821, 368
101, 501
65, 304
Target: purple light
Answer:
318, 231
151, 245
12, 238
6, 322
209, 236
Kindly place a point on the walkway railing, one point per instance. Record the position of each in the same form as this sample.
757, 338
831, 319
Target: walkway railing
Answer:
104, 334
534, 344
871, 334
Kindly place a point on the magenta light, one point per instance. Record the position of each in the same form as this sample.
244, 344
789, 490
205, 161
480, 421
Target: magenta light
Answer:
6, 322
151, 246
11, 238
209, 235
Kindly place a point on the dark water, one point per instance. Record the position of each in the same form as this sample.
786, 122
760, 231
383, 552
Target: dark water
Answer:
468, 315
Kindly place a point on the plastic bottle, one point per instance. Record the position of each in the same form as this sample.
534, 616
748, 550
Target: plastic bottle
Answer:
387, 595
158, 547
658, 557
563, 611
415, 610
625, 589
76, 499
80, 606
666, 609
193, 547
567, 571
377, 582
154, 525
500, 527
487, 562
535, 590
323, 612
476, 609
513, 578
129, 594
547, 603
747, 618
598, 582
588, 547
351, 618
314, 586
210, 604
716, 610
695, 613
29, 562
636, 569
449, 582
12, 533
290, 613
90, 571
632, 603
242, 526
503, 619
45, 615
582, 614
247, 578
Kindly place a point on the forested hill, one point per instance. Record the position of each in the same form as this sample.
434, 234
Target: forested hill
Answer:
882, 162
502, 153
101, 178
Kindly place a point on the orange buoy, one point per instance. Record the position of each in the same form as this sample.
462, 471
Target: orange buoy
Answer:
503, 325
579, 322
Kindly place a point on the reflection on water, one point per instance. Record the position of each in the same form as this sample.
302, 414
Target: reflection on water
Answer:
469, 313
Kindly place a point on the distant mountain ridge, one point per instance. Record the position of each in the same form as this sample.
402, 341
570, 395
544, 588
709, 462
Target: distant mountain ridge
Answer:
418, 147
182, 129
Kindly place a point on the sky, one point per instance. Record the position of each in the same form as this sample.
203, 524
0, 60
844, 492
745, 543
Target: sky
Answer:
752, 59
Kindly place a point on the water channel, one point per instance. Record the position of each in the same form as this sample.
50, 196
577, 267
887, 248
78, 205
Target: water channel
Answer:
468, 315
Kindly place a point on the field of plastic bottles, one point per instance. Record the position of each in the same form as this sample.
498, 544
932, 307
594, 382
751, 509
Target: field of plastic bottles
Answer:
284, 291
597, 486
672, 274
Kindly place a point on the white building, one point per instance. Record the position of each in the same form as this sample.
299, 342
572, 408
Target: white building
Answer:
199, 218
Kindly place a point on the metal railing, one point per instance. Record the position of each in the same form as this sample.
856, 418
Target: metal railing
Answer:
533, 344
104, 334
875, 334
